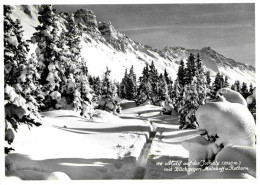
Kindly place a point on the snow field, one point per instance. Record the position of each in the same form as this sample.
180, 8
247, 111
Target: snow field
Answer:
82, 150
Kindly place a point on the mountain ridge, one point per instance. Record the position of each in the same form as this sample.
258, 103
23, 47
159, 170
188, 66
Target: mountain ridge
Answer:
102, 42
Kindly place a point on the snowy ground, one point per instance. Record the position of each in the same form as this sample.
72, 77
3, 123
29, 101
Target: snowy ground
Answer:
109, 147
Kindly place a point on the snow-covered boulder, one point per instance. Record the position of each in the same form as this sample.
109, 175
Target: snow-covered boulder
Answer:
231, 122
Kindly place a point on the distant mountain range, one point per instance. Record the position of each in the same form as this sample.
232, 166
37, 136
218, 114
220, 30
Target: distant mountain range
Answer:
103, 45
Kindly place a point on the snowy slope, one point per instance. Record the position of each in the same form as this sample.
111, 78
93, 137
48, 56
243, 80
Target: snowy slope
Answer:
103, 46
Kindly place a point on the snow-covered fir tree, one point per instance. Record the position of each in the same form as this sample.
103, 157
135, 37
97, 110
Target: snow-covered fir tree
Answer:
177, 95
194, 96
244, 90
131, 90
63, 71
154, 81
208, 79
168, 80
217, 84
128, 86
232, 87
123, 85
177, 92
237, 86
181, 75
251, 88
20, 78
190, 69
145, 87
189, 106
189, 95
95, 84
109, 99
201, 81
48, 55
106, 84
226, 83
162, 93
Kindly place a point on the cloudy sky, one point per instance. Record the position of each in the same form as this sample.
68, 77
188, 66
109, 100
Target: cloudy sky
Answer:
227, 28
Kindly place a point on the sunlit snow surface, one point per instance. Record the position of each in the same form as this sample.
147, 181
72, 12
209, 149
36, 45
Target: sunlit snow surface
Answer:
108, 147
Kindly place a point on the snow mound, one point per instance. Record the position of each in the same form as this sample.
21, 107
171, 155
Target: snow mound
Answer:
232, 126
231, 122
58, 176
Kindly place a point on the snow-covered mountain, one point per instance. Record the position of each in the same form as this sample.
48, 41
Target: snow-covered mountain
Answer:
103, 46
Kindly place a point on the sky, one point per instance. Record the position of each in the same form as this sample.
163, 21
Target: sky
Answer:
227, 28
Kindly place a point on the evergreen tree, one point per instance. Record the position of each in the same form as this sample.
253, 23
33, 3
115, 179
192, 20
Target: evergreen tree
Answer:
218, 83
251, 88
21, 106
163, 88
244, 90
194, 95
109, 99
226, 83
128, 86
153, 79
145, 87
237, 86
46, 38
131, 86
49, 55
208, 79
168, 80
97, 85
106, 84
191, 69
198, 65
123, 85
233, 87
63, 70
181, 74
189, 106
177, 94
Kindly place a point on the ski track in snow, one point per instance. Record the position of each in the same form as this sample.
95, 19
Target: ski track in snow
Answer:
119, 148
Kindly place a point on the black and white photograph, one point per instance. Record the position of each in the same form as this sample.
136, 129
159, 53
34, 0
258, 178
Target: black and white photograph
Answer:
148, 91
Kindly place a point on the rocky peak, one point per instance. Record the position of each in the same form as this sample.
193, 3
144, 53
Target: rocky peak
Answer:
108, 31
87, 19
